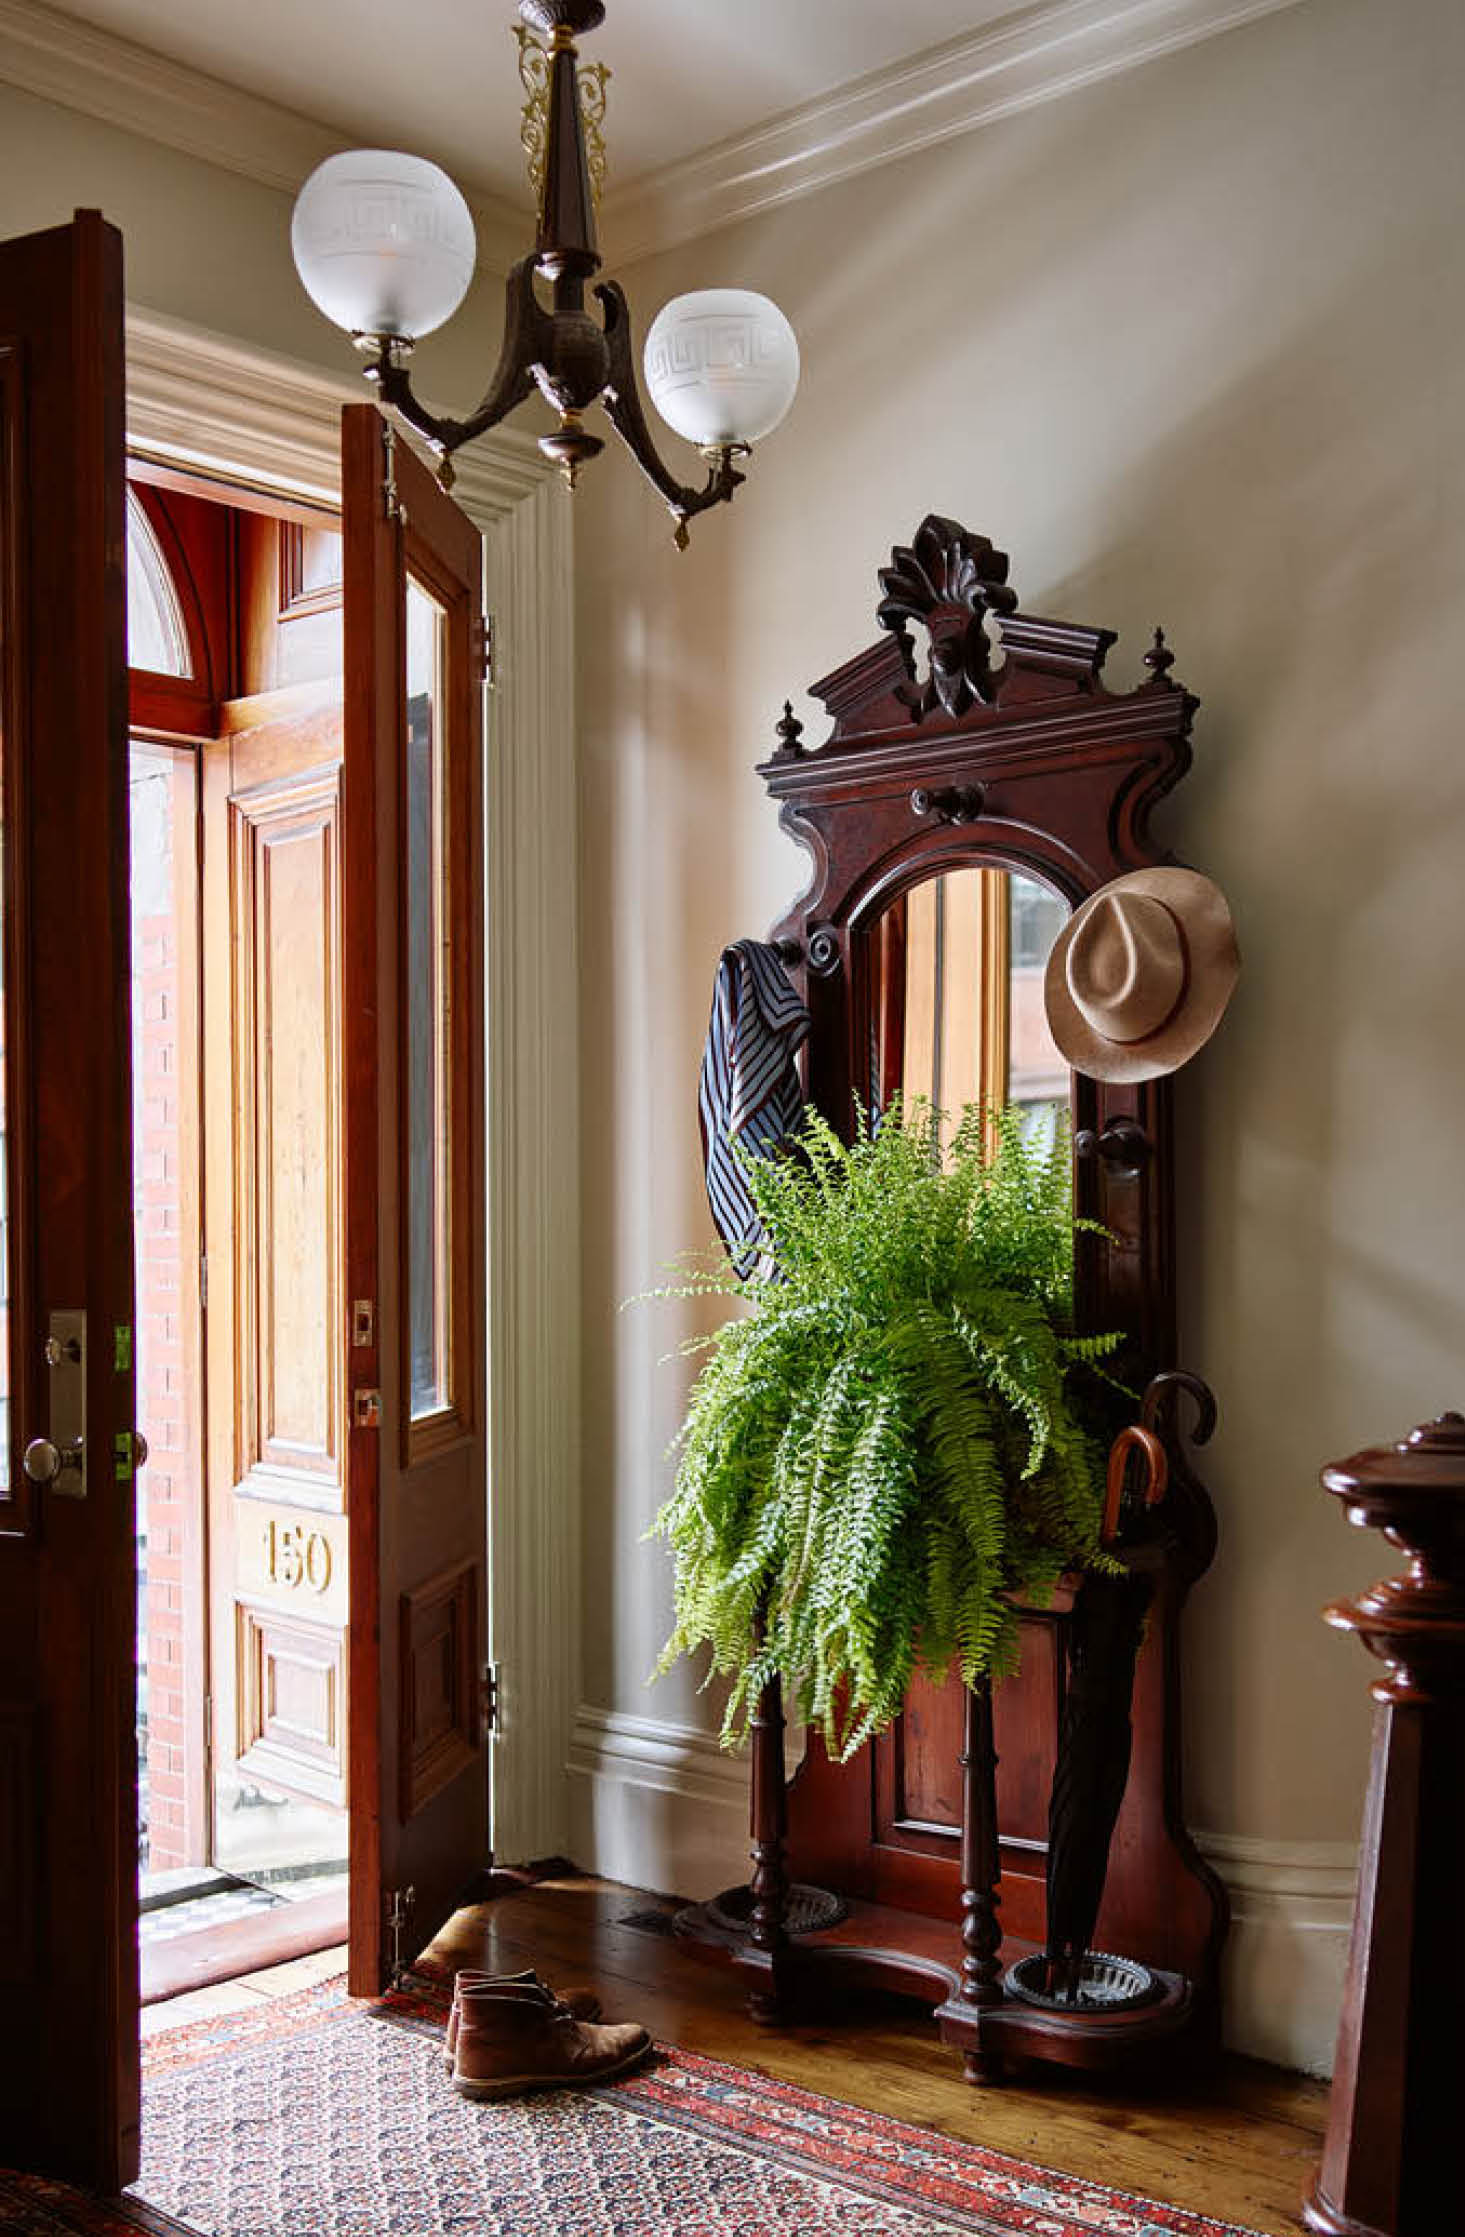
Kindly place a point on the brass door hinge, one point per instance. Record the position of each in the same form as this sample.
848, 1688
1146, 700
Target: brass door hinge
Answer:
485, 670
489, 1696
391, 500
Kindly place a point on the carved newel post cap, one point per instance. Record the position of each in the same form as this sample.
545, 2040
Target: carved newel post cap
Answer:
1414, 1492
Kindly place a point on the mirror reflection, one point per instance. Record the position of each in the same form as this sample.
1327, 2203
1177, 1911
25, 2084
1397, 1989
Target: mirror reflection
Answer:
958, 996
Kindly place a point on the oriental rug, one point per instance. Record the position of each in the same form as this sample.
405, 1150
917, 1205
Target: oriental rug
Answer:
317, 2117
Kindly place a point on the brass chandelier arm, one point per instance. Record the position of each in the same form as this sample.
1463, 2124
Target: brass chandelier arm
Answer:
412, 253
526, 328
623, 408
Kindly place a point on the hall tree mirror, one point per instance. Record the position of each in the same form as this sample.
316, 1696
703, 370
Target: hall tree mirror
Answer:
956, 993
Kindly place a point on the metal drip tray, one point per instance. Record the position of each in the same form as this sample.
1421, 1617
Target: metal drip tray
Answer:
1105, 1984
807, 1910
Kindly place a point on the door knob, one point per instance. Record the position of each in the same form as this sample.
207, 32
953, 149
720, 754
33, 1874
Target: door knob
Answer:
44, 1462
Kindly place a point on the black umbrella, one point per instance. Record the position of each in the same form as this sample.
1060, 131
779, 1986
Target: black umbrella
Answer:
1095, 1734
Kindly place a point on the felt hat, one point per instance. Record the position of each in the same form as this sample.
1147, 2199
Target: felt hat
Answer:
1140, 975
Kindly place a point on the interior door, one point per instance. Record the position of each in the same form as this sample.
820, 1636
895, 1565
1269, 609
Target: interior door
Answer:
68, 1763
415, 1228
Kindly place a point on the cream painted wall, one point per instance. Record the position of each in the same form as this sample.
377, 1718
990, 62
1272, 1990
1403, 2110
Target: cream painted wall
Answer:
1189, 346
203, 244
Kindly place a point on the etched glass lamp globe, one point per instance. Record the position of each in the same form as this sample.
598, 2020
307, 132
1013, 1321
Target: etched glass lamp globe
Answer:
722, 367
383, 243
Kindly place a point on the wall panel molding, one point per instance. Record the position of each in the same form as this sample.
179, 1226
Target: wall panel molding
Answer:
534, 1171
660, 1805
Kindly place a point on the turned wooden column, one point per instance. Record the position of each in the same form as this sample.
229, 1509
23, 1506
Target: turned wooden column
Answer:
981, 1875
767, 1930
1392, 2160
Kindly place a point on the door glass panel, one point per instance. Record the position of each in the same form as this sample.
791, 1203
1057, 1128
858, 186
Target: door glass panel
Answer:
428, 1021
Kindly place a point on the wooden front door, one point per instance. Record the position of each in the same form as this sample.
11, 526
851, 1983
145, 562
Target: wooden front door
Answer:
278, 1589
415, 1228
68, 1607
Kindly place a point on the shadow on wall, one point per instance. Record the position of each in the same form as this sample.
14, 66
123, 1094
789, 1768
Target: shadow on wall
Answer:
1321, 1231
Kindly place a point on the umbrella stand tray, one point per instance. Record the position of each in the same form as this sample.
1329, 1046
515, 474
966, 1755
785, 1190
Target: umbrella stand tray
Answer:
979, 779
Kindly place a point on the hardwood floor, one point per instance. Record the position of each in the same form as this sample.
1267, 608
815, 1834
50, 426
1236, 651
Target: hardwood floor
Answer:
1240, 2145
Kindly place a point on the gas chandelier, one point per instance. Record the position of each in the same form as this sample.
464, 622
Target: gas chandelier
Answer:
384, 245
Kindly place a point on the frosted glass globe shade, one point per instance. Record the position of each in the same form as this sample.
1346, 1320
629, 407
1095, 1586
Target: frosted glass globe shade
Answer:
722, 366
383, 243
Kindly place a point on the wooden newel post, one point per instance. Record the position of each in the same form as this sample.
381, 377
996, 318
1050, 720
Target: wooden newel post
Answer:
1391, 2159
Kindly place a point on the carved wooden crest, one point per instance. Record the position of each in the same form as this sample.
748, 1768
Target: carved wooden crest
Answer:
949, 580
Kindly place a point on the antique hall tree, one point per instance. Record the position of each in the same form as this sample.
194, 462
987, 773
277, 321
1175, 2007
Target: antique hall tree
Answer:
974, 788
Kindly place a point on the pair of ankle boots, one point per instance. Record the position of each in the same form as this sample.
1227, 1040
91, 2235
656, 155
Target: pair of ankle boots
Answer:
510, 2033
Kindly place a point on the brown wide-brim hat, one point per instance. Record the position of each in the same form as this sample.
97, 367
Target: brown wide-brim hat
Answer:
1140, 976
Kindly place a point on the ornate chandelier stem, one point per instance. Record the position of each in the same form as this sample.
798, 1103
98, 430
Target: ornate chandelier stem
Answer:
723, 376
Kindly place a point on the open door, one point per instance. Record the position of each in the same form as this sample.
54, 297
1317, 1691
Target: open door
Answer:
412, 816
68, 1764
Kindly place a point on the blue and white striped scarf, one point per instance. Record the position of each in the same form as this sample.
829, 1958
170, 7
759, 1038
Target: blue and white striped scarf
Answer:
749, 1092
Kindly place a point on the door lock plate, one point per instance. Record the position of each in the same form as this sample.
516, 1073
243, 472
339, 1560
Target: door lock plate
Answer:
366, 1409
65, 1350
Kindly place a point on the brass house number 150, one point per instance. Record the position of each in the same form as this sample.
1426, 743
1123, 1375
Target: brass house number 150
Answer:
295, 1555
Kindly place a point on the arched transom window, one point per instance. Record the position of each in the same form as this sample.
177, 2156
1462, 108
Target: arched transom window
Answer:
157, 638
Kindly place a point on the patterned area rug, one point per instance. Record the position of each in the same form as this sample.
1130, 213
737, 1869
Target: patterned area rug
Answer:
316, 2117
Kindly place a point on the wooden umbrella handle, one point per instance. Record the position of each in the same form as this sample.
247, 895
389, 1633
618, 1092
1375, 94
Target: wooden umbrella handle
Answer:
1157, 1474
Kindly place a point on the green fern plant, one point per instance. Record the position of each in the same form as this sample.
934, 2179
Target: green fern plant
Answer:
898, 1438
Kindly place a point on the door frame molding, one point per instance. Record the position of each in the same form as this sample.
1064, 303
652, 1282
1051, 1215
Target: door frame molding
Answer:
211, 406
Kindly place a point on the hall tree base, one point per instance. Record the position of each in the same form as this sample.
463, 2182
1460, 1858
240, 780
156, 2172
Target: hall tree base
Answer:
1001, 752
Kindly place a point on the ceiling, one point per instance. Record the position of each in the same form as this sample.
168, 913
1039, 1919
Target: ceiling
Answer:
440, 77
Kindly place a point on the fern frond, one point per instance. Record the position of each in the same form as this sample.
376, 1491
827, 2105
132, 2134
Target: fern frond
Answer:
894, 1442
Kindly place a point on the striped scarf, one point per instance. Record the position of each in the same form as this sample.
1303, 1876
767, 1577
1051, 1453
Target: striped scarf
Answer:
749, 1094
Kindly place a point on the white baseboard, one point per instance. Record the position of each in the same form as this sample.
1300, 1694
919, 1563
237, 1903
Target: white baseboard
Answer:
661, 1806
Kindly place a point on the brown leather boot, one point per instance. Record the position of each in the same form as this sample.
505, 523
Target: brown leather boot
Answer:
581, 2003
510, 2044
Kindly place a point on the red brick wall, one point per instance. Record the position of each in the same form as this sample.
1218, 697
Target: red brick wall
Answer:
166, 1333
161, 1396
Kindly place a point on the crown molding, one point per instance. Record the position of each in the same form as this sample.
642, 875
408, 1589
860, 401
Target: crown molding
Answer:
212, 405
1035, 54
1032, 55
75, 64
